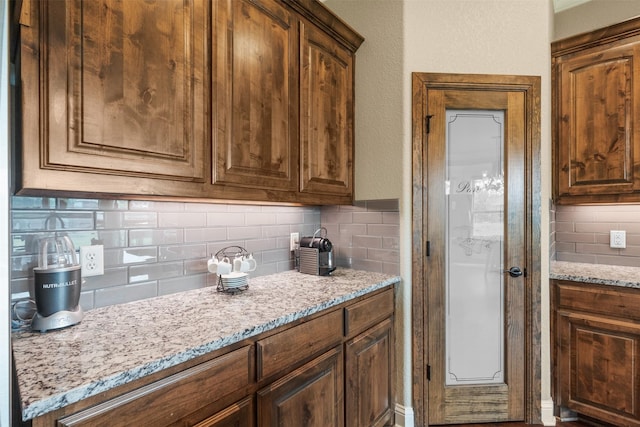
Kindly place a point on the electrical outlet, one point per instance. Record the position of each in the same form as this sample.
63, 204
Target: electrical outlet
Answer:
618, 239
295, 241
92, 260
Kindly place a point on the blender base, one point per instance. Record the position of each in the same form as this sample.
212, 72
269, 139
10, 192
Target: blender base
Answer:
59, 320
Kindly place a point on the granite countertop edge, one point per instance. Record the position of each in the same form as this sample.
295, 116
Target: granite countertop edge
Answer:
599, 274
40, 407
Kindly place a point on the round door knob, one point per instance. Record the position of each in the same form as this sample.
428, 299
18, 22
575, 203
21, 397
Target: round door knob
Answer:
514, 272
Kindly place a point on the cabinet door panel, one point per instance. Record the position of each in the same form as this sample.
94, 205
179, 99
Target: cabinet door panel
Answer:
237, 415
326, 114
311, 396
598, 367
369, 382
598, 139
255, 95
124, 90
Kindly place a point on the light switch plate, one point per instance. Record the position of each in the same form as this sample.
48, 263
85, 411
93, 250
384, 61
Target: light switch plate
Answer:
618, 239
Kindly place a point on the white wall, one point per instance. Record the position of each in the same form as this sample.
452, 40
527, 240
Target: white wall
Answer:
593, 15
448, 36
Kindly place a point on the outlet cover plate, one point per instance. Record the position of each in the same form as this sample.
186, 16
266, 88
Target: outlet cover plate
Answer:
618, 239
294, 242
92, 260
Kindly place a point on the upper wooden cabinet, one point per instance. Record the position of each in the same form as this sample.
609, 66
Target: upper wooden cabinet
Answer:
255, 102
596, 126
113, 91
326, 114
231, 99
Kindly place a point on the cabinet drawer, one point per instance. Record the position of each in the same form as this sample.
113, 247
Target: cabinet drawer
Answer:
599, 299
295, 345
167, 401
368, 312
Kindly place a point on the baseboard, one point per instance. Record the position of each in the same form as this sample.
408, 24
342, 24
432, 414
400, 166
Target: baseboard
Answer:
404, 416
546, 415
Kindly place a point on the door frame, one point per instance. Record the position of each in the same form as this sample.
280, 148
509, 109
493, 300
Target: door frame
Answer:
530, 86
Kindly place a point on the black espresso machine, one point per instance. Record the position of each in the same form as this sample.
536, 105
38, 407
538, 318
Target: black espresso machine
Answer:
315, 254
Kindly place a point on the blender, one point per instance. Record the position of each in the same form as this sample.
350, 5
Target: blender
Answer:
57, 285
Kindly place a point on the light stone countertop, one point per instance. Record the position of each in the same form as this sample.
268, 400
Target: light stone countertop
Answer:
118, 344
599, 274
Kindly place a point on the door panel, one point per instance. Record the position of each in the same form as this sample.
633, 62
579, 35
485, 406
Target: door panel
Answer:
116, 103
475, 226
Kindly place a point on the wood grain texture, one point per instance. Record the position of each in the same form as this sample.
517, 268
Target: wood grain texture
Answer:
326, 114
596, 100
369, 377
129, 98
194, 100
295, 345
255, 101
595, 352
366, 313
240, 414
311, 396
428, 225
478, 402
173, 398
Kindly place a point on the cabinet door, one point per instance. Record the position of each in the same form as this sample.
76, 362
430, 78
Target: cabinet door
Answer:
255, 96
597, 367
236, 415
310, 396
598, 136
369, 382
121, 94
326, 115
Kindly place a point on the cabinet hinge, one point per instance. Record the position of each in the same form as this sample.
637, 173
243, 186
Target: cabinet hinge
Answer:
428, 372
427, 248
427, 122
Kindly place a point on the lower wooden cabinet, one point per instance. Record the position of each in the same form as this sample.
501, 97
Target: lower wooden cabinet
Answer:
369, 377
596, 334
334, 368
237, 415
310, 396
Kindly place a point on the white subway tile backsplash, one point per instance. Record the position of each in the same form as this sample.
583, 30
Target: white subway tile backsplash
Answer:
180, 284
157, 271
182, 219
238, 233
122, 294
154, 248
116, 276
367, 217
216, 219
582, 234
192, 235
182, 252
156, 236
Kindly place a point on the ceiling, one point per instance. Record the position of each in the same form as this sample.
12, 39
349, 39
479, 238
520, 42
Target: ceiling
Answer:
560, 5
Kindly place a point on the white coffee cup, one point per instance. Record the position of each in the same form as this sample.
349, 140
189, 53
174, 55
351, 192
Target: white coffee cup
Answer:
248, 264
219, 267
237, 264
